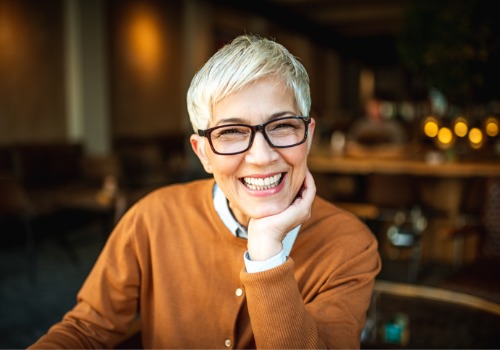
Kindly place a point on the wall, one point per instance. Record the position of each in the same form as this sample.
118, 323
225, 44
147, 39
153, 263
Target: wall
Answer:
93, 71
146, 65
32, 94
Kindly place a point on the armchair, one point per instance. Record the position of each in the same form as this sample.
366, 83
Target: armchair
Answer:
480, 277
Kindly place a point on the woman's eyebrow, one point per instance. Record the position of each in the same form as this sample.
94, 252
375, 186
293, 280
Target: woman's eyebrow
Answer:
236, 120
230, 121
280, 114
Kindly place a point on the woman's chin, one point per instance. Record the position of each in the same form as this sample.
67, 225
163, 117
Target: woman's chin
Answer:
265, 212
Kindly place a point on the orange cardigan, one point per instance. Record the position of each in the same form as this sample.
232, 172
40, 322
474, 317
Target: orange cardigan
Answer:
172, 259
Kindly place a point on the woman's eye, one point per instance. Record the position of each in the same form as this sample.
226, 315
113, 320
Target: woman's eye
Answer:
231, 132
283, 126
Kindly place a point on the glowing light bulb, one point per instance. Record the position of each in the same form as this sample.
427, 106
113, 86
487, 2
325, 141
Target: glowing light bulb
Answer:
476, 138
431, 127
461, 127
445, 136
491, 127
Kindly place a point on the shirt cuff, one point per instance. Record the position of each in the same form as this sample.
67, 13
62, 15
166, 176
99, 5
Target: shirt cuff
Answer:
259, 266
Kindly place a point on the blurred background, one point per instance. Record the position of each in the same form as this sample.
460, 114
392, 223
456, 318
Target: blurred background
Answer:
93, 116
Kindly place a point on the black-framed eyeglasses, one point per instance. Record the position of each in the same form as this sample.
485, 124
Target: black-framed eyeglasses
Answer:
282, 132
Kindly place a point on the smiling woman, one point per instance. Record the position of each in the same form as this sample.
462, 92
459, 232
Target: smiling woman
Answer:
253, 250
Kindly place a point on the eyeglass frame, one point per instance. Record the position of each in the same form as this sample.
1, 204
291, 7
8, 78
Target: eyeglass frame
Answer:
254, 128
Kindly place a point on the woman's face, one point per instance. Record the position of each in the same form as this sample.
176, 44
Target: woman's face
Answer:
257, 103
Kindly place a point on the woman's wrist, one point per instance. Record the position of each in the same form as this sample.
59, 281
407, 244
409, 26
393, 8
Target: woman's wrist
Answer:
263, 248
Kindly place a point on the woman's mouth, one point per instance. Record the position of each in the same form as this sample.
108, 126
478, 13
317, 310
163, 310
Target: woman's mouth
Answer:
262, 183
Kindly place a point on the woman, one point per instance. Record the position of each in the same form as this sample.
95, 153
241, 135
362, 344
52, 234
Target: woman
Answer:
250, 258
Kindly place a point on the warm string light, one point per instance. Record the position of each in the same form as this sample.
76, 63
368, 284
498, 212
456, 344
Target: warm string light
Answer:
445, 137
491, 127
476, 138
461, 127
431, 126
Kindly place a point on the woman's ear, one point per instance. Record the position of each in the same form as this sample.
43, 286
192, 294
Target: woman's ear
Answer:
198, 145
310, 135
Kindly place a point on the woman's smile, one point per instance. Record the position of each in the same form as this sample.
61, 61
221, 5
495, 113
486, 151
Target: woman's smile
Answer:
262, 183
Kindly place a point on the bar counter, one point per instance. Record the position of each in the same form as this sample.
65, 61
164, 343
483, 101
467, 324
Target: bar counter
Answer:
327, 163
442, 188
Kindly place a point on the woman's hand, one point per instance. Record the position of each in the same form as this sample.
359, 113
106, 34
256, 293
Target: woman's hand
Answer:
265, 235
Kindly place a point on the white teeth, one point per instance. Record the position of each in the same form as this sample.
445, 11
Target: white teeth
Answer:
262, 183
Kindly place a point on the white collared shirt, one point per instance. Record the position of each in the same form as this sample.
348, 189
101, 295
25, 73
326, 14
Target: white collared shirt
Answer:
222, 208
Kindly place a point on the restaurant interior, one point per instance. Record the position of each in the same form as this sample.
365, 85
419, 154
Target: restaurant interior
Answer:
93, 117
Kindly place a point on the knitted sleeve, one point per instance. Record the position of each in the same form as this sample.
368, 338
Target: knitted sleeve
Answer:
330, 316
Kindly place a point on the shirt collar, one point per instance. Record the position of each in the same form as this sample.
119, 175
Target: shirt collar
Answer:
222, 208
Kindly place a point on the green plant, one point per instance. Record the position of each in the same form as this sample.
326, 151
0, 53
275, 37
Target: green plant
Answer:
455, 46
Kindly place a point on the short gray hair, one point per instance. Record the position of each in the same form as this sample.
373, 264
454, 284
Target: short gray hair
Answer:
244, 60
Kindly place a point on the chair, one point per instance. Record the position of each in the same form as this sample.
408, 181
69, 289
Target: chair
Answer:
16, 211
422, 317
481, 276
20, 214
400, 221
389, 204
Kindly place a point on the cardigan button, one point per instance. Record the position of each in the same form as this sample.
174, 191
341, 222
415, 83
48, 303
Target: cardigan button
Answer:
228, 343
238, 292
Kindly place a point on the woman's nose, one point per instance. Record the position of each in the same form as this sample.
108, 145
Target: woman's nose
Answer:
261, 151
